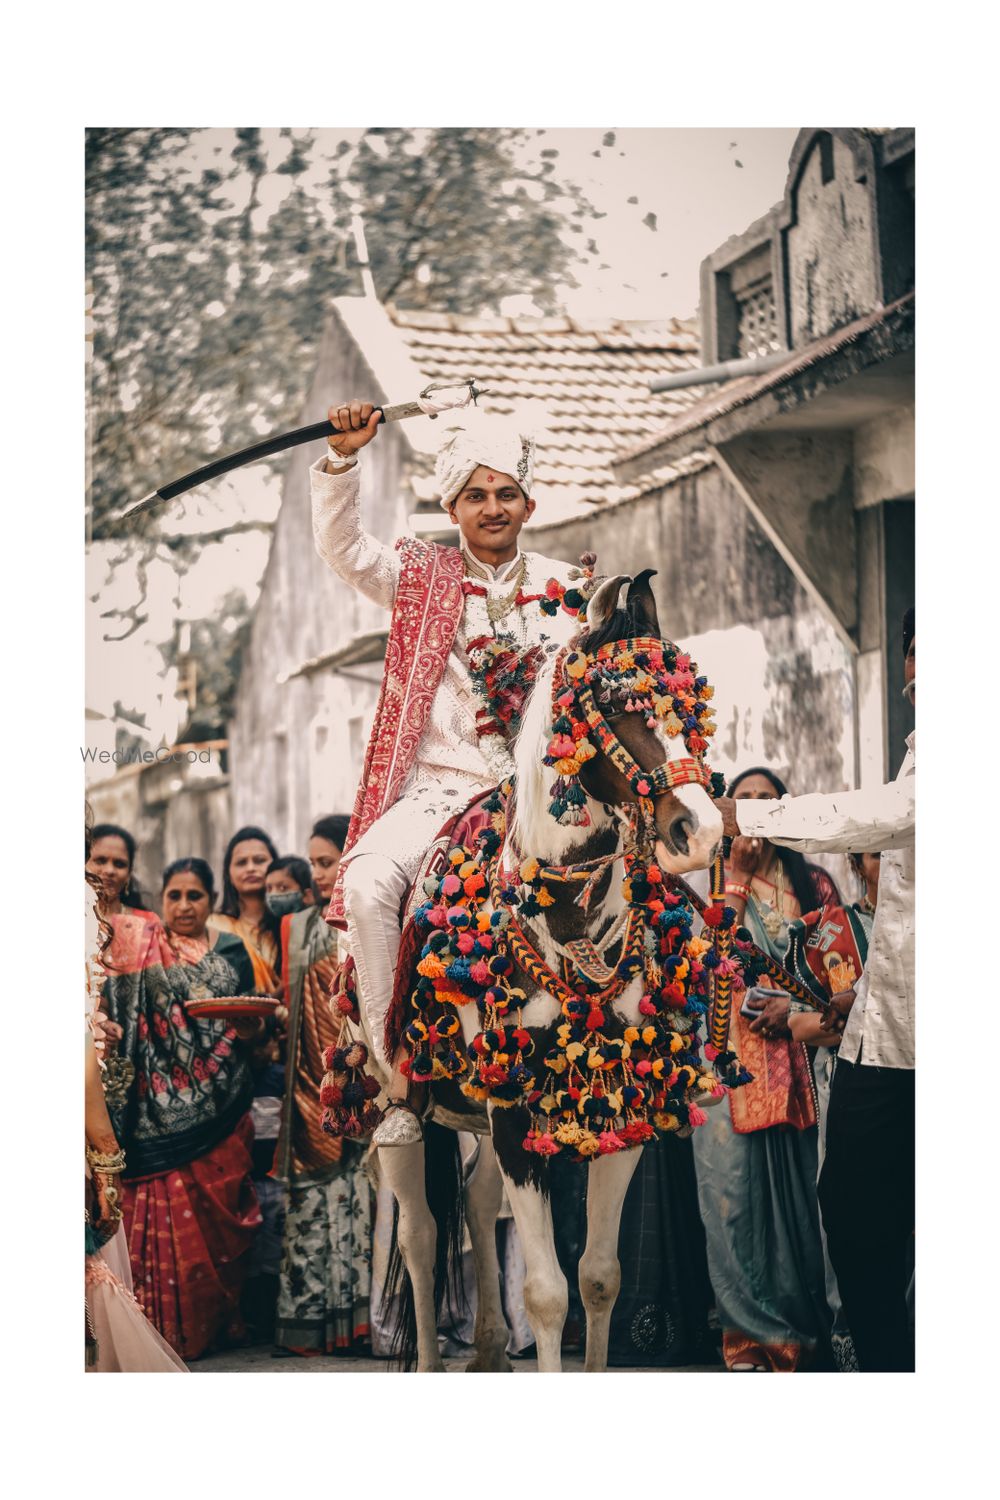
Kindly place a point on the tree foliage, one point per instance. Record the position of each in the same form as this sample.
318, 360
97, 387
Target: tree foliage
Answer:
210, 293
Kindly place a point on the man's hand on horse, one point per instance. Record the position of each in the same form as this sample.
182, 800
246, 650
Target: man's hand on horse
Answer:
726, 807
357, 422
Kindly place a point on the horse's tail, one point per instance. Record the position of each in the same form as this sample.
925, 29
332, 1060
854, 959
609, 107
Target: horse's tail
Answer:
446, 1200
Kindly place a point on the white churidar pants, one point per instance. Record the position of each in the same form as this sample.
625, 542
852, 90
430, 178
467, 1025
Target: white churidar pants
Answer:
377, 873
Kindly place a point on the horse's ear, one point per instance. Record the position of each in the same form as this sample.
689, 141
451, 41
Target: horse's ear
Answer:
604, 601
642, 604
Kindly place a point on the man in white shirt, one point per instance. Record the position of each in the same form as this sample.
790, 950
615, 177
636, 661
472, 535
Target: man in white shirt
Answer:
867, 1183
434, 746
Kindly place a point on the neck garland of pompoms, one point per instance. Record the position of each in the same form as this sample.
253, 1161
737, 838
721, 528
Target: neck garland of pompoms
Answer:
602, 1086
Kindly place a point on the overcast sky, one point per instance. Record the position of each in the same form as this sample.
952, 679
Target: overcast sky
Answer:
702, 185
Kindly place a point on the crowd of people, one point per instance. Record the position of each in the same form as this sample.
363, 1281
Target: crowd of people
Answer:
775, 1236
245, 1222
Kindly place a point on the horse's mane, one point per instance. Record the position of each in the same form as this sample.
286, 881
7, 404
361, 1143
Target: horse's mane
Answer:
621, 625
531, 825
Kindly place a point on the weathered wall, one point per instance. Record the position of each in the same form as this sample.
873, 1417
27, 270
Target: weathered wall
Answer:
885, 457
282, 734
831, 247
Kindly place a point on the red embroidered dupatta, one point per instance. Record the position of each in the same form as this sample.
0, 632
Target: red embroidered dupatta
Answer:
425, 618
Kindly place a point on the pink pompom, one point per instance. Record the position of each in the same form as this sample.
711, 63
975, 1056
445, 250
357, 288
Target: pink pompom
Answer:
696, 1116
451, 885
646, 1006
466, 942
644, 1067
479, 973
436, 916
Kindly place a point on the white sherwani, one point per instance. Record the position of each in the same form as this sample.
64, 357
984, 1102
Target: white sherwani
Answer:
451, 767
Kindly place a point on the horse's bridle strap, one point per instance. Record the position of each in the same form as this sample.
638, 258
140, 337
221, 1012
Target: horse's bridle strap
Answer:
686, 771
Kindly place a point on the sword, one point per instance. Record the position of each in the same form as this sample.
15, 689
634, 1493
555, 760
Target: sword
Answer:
430, 403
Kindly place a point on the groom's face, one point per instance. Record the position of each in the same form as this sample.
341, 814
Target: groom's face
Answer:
490, 510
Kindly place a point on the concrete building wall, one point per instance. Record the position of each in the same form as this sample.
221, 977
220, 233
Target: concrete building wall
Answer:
885, 457
831, 259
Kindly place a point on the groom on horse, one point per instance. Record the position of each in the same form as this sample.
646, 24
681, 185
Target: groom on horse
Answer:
434, 745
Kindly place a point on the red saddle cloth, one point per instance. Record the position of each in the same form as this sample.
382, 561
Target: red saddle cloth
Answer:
463, 829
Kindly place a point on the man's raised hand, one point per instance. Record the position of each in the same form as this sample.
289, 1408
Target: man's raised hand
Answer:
357, 422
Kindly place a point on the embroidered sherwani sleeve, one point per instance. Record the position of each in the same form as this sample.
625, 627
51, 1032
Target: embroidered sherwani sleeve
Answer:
359, 558
863, 821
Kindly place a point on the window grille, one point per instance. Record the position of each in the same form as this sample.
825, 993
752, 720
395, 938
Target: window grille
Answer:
757, 318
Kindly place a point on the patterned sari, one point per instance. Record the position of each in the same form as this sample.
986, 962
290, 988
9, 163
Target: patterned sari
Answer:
189, 1209
325, 1281
756, 1161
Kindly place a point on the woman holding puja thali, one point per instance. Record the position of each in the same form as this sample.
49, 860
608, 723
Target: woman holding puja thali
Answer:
182, 995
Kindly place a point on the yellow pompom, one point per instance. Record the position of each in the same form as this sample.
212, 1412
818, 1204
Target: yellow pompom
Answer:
468, 868
456, 857
632, 1033
576, 665
585, 750
594, 1059
544, 897
529, 870
567, 766
574, 1050
587, 1144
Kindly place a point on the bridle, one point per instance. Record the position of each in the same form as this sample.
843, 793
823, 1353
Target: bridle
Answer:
575, 677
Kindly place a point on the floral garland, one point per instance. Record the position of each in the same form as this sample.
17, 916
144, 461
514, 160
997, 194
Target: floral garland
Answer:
601, 1087
503, 675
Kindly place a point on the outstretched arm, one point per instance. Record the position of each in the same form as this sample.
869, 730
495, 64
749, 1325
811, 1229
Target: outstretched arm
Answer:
359, 558
863, 821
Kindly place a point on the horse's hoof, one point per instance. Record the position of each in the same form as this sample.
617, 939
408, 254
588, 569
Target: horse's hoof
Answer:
495, 1362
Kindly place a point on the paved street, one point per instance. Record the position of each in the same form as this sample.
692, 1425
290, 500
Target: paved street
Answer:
263, 1357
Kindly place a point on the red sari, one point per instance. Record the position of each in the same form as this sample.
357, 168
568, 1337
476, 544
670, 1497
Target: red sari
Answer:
189, 1209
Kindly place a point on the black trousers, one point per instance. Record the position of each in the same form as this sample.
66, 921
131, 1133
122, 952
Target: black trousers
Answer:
866, 1193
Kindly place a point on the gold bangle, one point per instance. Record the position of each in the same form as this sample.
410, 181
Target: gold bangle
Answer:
108, 1163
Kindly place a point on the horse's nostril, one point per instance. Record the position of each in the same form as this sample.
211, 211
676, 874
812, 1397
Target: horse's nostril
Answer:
680, 828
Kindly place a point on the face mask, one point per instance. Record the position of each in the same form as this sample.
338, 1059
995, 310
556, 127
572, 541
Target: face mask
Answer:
282, 903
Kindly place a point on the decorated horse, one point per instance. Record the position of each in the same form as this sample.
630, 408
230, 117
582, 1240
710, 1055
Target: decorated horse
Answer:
553, 990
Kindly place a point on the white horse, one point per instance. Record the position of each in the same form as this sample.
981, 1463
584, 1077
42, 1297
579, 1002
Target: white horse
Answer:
688, 829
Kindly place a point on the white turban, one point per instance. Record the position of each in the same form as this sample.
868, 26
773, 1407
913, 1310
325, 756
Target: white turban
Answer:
496, 442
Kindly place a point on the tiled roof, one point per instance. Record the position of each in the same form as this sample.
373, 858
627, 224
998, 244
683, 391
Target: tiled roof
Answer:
591, 376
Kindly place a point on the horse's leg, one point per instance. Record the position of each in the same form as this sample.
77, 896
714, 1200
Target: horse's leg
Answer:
483, 1193
546, 1299
403, 1169
600, 1273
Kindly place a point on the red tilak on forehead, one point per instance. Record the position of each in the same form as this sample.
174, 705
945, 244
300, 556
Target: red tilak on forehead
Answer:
490, 478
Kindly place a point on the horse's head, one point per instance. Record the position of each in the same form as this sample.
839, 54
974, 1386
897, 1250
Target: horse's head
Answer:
684, 817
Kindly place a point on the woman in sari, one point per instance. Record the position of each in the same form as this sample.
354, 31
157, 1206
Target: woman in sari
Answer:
119, 1338
182, 1114
325, 1282
243, 911
756, 1157
111, 859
